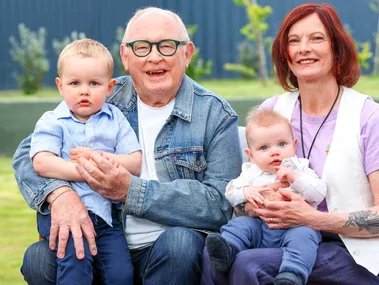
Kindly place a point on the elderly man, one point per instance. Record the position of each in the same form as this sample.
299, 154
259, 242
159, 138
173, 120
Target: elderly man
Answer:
190, 146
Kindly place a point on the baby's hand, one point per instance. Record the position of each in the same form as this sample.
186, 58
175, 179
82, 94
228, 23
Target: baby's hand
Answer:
273, 196
80, 151
285, 174
253, 194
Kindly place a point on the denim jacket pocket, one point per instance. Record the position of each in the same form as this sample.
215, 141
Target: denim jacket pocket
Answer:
189, 163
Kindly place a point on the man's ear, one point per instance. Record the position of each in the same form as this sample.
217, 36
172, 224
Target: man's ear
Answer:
111, 84
58, 82
124, 56
190, 49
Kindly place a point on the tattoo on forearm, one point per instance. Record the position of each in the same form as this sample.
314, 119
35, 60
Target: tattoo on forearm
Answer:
364, 220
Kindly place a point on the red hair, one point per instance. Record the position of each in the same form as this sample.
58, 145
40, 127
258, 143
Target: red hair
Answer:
345, 67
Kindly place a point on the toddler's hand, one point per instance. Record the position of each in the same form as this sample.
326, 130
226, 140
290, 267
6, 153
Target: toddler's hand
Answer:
80, 151
111, 158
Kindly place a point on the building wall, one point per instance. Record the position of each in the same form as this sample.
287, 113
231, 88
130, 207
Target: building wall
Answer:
219, 23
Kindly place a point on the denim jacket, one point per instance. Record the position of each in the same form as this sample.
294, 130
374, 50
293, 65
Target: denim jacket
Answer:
197, 153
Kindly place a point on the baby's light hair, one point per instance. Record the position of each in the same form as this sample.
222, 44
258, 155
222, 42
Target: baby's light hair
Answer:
85, 48
263, 117
138, 13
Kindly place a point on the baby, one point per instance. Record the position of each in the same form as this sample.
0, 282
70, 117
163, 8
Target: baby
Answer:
271, 152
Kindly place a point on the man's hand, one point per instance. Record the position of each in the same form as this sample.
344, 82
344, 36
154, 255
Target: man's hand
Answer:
68, 214
109, 178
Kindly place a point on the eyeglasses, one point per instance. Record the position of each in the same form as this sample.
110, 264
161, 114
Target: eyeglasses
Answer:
165, 47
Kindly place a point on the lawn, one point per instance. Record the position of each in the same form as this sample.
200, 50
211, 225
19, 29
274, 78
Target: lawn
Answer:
229, 89
17, 226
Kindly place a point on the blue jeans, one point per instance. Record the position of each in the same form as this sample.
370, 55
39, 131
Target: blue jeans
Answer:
299, 244
174, 258
334, 266
113, 262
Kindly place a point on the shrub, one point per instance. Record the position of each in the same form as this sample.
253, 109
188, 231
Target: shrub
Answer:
364, 54
58, 46
115, 51
248, 61
197, 68
30, 54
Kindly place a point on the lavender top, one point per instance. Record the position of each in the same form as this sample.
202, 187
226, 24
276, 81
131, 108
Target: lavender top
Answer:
369, 136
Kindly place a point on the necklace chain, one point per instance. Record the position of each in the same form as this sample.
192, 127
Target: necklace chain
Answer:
301, 124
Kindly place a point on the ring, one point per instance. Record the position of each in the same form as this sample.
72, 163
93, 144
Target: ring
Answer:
270, 220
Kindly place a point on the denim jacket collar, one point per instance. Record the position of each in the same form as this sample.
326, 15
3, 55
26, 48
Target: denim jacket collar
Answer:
183, 100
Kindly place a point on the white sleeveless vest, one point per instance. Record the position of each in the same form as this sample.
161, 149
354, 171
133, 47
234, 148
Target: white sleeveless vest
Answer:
348, 186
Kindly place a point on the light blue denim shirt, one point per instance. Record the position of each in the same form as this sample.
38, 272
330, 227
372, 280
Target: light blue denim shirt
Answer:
197, 153
58, 131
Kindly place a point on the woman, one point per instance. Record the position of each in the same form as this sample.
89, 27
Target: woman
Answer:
316, 61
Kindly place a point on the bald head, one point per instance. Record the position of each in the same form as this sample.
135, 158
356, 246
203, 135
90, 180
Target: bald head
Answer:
143, 15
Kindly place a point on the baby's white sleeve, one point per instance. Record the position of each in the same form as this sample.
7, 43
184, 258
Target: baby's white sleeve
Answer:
310, 187
234, 189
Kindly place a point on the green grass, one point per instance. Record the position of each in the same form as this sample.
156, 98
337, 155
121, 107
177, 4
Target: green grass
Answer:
17, 226
236, 89
228, 89
44, 93
254, 89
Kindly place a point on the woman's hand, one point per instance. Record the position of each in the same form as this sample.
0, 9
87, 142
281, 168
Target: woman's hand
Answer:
292, 211
271, 195
108, 177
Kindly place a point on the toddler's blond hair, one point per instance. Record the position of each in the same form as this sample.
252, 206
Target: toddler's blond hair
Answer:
85, 48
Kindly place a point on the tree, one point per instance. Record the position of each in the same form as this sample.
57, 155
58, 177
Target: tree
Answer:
363, 49
374, 5
255, 29
364, 53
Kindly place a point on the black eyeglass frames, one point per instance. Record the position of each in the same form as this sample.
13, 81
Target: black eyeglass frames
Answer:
166, 47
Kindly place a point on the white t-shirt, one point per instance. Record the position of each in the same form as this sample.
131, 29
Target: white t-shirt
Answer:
142, 232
